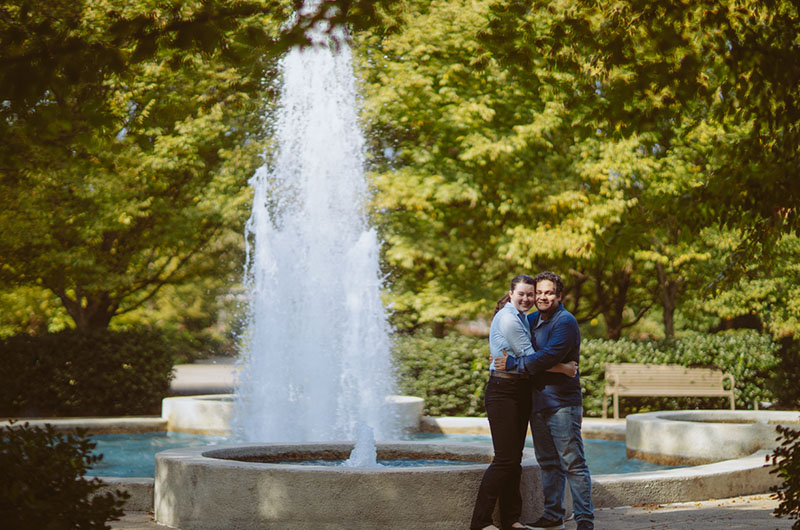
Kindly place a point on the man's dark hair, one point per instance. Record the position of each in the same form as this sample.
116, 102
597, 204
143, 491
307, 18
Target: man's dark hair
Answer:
553, 277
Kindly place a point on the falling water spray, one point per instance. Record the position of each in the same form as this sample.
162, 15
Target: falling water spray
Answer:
316, 358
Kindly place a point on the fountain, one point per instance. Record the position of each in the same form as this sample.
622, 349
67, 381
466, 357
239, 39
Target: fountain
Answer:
317, 361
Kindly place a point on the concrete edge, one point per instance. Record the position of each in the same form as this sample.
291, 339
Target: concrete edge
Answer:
595, 428
696, 437
731, 478
121, 425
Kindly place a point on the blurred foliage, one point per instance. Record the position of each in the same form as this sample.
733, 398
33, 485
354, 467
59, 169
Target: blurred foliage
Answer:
786, 459
128, 131
788, 369
43, 485
47, 51
98, 373
31, 310
665, 69
504, 139
104, 214
450, 373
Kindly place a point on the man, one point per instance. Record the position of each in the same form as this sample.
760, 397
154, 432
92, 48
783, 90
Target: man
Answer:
557, 407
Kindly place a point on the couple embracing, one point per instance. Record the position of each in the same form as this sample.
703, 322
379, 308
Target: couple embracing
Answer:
534, 378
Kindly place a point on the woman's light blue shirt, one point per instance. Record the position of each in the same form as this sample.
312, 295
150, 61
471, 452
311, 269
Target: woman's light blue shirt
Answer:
510, 332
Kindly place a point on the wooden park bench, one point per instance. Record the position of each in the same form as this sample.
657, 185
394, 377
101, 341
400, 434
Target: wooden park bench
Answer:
668, 380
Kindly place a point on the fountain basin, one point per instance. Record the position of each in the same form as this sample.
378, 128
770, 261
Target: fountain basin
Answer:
212, 413
694, 437
237, 486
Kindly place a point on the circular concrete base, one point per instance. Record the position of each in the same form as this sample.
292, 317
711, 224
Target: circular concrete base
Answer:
226, 487
692, 437
212, 413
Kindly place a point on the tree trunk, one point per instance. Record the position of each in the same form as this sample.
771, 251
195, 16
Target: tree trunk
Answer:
613, 326
88, 311
614, 312
668, 291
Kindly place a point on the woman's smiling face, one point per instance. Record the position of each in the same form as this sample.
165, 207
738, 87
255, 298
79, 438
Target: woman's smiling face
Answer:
523, 296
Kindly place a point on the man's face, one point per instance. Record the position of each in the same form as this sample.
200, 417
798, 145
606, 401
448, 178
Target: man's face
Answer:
547, 300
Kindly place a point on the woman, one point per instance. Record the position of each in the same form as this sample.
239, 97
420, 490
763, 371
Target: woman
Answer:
508, 406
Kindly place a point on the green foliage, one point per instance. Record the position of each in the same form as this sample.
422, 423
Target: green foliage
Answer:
493, 154
787, 371
786, 459
449, 373
102, 373
770, 290
31, 310
106, 222
641, 150
448, 184
749, 356
71, 46
43, 484
665, 69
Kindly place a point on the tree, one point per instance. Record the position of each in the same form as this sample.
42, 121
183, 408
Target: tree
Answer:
513, 137
105, 226
661, 68
461, 151
482, 175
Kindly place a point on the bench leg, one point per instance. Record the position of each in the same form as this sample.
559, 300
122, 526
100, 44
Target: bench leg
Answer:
616, 407
605, 406
733, 403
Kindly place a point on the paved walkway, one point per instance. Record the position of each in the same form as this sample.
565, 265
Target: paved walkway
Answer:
209, 376
754, 511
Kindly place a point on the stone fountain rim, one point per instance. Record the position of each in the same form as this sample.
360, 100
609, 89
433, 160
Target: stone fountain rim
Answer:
712, 417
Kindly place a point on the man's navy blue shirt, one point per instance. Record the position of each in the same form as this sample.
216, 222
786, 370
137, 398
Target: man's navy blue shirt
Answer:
557, 340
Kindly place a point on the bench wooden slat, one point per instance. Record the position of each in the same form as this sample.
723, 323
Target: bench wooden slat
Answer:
664, 380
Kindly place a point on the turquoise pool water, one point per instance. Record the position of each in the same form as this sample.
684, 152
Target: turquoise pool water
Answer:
132, 455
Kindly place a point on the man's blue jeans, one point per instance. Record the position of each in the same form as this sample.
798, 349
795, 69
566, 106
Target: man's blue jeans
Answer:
559, 449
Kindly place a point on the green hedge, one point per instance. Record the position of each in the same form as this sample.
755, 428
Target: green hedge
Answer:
43, 485
104, 373
450, 373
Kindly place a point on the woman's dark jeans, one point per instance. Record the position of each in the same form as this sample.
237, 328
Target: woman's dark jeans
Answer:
508, 406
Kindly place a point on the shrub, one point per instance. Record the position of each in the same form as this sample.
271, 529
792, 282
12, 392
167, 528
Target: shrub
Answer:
449, 373
786, 459
85, 374
43, 484
787, 392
